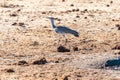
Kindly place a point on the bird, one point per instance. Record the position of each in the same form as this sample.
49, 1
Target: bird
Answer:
62, 30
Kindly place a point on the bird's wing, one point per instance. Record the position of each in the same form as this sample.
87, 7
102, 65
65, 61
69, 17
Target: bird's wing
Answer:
68, 30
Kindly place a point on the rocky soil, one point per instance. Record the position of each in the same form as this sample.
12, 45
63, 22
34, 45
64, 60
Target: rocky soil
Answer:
29, 48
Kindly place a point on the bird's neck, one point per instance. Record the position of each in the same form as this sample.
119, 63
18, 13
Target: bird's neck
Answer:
53, 25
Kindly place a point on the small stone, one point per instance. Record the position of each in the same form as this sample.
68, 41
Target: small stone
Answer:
68, 11
77, 16
111, 2
108, 5
73, 10
40, 62
19, 10
113, 19
75, 48
85, 10
63, 0
77, 9
43, 12
83, 53
117, 25
22, 63
85, 17
13, 15
56, 61
62, 49
75, 20
21, 24
14, 24
10, 70
72, 5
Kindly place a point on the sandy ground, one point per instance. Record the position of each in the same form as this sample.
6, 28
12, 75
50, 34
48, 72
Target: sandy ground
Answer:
28, 45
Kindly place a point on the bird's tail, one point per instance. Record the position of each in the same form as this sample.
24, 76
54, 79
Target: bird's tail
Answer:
75, 33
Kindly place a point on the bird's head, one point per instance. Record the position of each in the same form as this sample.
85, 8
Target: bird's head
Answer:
50, 18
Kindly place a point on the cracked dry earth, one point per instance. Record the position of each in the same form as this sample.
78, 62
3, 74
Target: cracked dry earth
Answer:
28, 45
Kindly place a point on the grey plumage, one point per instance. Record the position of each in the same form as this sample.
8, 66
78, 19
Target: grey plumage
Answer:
65, 30
62, 29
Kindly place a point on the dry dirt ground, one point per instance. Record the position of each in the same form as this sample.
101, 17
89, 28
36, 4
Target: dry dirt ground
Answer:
28, 45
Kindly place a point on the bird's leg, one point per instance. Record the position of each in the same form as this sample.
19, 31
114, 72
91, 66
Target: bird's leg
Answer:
66, 41
59, 39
